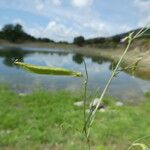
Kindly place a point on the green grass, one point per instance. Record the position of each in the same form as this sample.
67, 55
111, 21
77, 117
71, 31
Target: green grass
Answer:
45, 120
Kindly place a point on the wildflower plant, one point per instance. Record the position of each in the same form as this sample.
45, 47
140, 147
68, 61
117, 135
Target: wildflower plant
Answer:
89, 118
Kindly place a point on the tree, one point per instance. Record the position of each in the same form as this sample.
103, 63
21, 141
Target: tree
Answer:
77, 58
19, 33
15, 33
79, 40
7, 32
8, 28
116, 39
18, 29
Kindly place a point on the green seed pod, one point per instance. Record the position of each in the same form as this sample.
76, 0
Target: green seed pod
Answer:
48, 70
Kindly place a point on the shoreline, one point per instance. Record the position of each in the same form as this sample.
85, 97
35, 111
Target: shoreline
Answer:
132, 56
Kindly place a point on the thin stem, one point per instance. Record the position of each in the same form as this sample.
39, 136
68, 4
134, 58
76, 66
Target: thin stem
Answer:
85, 89
92, 115
142, 31
137, 141
90, 119
85, 101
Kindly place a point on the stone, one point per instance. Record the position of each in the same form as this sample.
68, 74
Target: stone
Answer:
119, 103
94, 103
22, 94
79, 103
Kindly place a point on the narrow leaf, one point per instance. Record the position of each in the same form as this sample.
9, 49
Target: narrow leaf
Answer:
48, 70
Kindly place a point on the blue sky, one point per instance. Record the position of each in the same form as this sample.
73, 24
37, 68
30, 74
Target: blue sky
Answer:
65, 19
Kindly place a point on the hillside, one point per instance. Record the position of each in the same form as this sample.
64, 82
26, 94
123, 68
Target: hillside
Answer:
113, 41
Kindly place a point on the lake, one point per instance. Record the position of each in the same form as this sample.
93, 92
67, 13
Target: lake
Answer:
124, 87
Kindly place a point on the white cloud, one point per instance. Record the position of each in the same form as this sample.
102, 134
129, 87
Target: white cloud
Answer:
56, 2
41, 5
97, 28
125, 28
143, 7
59, 30
66, 22
53, 30
19, 21
81, 3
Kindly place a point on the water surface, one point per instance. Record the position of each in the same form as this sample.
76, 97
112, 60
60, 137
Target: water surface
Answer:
124, 86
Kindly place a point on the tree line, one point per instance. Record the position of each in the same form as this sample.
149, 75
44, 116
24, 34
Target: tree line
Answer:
16, 34
106, 42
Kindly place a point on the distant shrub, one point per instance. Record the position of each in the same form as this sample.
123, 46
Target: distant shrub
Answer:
100, 40
63, 42
15, 33
116, 39
79, 41
45, 40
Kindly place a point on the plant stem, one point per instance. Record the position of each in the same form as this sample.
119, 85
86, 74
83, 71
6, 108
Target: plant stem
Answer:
85, 90
92, 115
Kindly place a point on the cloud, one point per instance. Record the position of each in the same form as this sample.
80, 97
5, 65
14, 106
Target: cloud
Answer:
60, 31
81, 3
34, 6
96, 28
125, 28
19, 21
63, 20
41, 5
56, 2
143, 7
53, 30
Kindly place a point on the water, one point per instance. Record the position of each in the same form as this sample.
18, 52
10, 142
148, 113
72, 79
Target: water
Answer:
124, 87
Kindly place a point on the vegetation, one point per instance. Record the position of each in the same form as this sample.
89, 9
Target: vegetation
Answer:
16, 34
89, 119
79, 41
113, 41
46, 120
45, 40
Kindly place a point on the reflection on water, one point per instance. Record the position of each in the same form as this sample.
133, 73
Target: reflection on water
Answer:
10, 55
124, 86
77, 58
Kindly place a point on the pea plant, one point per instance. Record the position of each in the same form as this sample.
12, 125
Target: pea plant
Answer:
90, 117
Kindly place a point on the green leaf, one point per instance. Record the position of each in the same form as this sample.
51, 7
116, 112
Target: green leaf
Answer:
48, 70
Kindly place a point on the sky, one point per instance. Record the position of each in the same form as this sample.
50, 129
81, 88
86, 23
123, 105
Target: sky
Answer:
62, 20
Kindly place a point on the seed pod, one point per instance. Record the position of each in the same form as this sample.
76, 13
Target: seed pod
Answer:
48, 70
